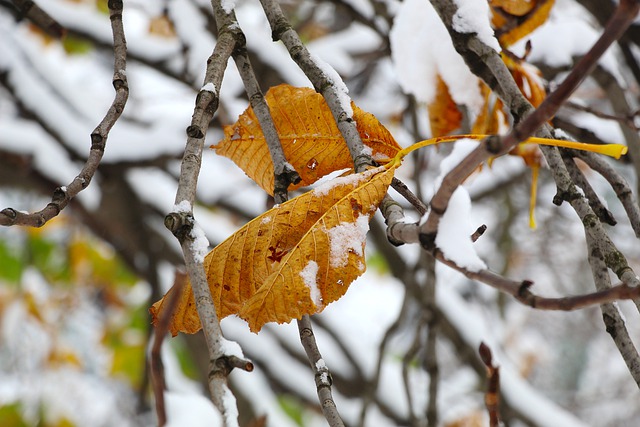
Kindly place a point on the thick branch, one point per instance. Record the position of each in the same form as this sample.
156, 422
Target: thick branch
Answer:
181, 221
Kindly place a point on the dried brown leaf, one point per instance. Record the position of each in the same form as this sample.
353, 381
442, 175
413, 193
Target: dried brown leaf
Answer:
292, 260
310, 138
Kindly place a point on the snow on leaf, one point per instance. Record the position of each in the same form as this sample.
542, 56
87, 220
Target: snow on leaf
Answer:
292, 264
309, 136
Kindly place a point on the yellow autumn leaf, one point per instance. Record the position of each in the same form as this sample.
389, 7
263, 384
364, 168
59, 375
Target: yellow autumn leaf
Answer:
292, 260
514, 7
310, 138
511, 27
444, 116
162, 26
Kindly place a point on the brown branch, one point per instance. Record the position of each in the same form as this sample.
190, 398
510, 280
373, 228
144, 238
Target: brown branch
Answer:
624, 120
521, 291
40, 18
284, 173
492, 395
63, 195
161, 329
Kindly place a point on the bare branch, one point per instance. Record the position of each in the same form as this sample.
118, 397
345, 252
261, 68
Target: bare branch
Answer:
40, 18
492, 395
181, 221
324, 79
611, 316
161, 329
63, 195
322, 374
619, 185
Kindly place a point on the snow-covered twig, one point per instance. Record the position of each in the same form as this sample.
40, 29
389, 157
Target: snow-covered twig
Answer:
181, 223
63, 195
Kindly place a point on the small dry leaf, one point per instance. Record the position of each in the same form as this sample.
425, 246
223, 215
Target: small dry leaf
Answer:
310, 138
512, 27
492, 116
444, 116
162, 26
292, 260
514, 7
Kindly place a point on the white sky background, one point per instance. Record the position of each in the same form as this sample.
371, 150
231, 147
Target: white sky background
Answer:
156, 116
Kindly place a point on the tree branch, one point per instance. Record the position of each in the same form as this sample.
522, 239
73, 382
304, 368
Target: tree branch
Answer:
40, 18
181, 222
324, 79
63, 195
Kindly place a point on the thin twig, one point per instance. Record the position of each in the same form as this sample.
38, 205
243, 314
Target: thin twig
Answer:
63, 195
430, 361
492, 395
625, 120
322, 374
161, 329
619, 185
40, 18
604, 214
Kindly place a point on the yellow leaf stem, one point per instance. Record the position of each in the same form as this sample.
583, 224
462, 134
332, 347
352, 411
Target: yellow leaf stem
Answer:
535, 169
611, 150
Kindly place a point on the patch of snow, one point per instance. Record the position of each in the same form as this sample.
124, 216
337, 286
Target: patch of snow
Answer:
418, 28
200, 243
455, 228
347, 238
230, 408
309, 276
474, 17
228, 5
341, 90
351, 180
182, 206
190, 409
209, 87
231, 348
